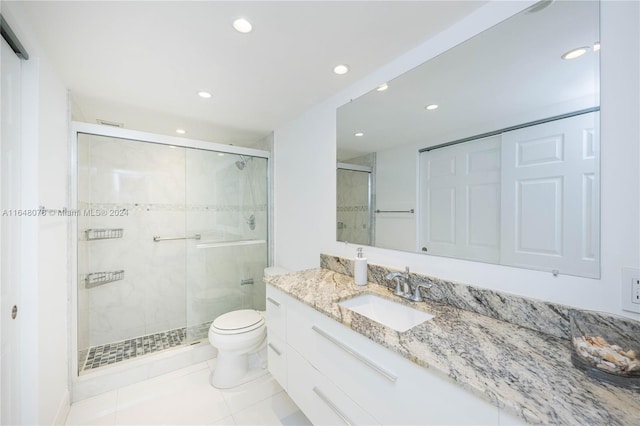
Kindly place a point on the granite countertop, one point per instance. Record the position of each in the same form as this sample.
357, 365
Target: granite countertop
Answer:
524, 371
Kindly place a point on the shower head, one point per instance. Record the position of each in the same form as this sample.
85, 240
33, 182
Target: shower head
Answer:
242, 162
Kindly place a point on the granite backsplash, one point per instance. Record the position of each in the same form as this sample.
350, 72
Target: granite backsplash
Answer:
546, 317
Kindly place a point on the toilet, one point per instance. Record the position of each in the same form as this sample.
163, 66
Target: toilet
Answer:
241, 339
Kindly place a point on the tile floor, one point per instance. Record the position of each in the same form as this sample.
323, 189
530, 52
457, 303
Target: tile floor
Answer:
185, 397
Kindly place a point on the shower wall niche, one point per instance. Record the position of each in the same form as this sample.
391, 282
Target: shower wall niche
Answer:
168, 239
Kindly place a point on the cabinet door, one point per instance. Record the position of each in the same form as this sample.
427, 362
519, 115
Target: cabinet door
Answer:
276, 342
277, 359
276, 312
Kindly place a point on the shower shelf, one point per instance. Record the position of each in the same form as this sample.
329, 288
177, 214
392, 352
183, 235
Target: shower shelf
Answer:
103, 234
96, 279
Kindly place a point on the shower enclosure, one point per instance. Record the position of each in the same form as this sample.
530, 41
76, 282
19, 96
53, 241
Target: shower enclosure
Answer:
355, 221
170, 234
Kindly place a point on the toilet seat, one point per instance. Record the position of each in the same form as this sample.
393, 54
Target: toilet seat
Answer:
237, 322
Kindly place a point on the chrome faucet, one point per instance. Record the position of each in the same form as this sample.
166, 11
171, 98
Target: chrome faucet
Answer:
404, 287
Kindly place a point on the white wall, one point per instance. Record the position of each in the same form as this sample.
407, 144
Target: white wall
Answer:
396, 178
305, 174
44, 296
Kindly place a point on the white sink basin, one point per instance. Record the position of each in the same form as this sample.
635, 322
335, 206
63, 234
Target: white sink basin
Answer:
392, 314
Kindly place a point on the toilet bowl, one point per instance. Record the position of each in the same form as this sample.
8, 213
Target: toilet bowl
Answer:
241, 339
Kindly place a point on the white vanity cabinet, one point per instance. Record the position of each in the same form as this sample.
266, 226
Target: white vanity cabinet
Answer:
336, 376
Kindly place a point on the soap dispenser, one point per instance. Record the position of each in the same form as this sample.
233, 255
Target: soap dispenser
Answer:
360, 269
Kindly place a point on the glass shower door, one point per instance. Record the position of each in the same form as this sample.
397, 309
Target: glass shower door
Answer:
131, 272
168, 238
226, 210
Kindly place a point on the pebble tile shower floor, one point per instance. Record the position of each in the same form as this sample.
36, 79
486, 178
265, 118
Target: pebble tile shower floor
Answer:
112, 353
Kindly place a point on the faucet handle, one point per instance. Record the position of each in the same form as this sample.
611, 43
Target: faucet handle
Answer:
396, 276
417, 296
399, 290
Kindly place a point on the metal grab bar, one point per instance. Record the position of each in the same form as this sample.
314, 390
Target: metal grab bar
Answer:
333, 406
195, 237
395, 211
386, 374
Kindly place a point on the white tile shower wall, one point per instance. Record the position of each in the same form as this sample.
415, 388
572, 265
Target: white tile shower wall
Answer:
147, 182
167, 192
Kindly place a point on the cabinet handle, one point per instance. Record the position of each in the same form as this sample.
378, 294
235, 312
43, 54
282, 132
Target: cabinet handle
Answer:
333, 406
386, 374
274, 349
273, 301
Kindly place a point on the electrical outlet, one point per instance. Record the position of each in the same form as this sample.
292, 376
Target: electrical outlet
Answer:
635, 290
631, 289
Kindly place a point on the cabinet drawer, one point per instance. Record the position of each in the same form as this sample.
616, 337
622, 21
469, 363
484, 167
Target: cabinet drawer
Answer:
276, 311
277, 359
320, 400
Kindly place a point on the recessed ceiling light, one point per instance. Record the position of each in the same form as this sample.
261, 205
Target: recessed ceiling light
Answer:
382, 87
359, 134
205, 95
575, 53
181, 131
596, 46
221, 154
243, 26
341, 69
431, 107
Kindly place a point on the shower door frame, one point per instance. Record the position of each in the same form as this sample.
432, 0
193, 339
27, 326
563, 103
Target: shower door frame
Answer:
120, 378
370, 195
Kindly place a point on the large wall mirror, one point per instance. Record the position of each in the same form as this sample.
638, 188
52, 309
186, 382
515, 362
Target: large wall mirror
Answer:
487, 152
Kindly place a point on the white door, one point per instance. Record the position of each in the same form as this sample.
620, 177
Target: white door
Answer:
10, 182
460, 200
550, 196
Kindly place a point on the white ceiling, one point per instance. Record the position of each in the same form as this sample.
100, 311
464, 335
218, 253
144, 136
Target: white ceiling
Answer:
142, 63
508, 75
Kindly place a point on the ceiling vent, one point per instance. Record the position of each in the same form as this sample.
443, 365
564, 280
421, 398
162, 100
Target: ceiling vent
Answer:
109, 123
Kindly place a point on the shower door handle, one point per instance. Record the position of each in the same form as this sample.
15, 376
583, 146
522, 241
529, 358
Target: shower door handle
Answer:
195, 237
